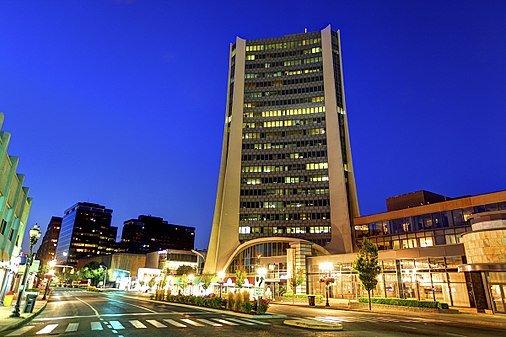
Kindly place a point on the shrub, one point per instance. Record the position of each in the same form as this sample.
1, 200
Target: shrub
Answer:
207, 301
301, 297
262, 306
245, 296
247, 307
238, 301
230, 301
404, 302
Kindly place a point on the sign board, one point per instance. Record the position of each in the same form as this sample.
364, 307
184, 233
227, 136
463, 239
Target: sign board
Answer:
259, 292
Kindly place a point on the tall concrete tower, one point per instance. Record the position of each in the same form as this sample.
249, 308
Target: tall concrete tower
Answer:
286, 169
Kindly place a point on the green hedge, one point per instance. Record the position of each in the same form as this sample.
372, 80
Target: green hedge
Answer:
302, 297
403, 302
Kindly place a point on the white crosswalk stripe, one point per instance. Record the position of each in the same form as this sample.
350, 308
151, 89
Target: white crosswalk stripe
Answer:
240, 321
96, 326
174, 323
189, 321
116, 325
206, 321
47, 329
21, 330
72, 327
224, 321
137, 324
155, 323
255, 321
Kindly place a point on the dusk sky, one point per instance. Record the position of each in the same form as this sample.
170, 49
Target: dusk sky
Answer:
122, 102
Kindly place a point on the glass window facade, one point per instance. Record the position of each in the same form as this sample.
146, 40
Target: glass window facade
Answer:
431, 229
86, 231
284, 179
433, 279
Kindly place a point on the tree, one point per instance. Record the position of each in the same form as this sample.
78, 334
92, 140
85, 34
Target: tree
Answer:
185, 269
295, 280
368, 267
206, 280
92, 271
240, 276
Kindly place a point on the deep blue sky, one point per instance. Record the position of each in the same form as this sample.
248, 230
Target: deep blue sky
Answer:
122, 102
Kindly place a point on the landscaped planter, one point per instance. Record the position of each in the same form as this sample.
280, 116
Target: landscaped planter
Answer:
238, 302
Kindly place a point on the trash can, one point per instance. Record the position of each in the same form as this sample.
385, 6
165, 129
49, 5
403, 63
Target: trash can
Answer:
311, 300
8, 299
30, 302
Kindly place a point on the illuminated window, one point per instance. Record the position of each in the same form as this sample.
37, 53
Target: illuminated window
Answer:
317, 166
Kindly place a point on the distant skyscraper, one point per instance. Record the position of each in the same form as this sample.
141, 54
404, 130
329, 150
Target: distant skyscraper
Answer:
47, 249
148, 234
286, 170
86, 231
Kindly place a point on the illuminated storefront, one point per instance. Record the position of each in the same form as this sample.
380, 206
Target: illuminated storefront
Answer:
422, 278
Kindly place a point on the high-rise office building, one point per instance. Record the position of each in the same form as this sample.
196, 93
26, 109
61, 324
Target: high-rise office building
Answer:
148, 234
286, 173
47, 249
86, 231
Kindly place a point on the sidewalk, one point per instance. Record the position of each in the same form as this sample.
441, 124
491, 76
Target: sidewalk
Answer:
464, 318
8, 323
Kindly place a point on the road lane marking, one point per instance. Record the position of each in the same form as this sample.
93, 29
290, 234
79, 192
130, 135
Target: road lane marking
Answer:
94, 310
203, 320
137, 324
240, 321
116, 325
455, 334
189, 321
175, 323
96, 326
224, 321
155, 323
72, 327
255, 321
21, 330
47, 329
103, 315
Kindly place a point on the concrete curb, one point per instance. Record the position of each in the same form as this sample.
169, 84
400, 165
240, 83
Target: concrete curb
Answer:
393, 310
314, 325
24, 320
227, 312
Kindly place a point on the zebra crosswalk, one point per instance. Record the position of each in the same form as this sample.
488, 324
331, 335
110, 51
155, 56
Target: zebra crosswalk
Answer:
116, 325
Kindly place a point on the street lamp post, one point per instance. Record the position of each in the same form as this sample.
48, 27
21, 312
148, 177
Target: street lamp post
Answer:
221, 278
104, 268
261, 274
34, 237
50, 273
191, 278
327, 267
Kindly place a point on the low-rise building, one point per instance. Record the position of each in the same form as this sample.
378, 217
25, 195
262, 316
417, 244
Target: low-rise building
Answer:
15, 205
149, 234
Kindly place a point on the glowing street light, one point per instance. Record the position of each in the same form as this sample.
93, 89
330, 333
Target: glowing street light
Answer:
50, 273
327, 267
262, 272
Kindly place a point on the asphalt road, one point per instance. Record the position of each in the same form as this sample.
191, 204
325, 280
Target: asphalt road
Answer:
79, 313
